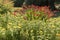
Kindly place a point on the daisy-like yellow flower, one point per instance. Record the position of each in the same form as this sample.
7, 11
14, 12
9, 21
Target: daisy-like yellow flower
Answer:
41, 32
58, 35
53, 26
11, 30
3, 29
31, 30
8, 26
19, 24
9, 23
15, 27
19, 27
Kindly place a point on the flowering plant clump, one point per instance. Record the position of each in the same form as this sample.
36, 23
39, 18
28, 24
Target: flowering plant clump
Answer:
4, 8
19, 29
36, 12
15, 26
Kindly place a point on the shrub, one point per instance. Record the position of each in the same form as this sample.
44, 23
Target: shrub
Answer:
14, 27
36, 12
5, 8
20, 29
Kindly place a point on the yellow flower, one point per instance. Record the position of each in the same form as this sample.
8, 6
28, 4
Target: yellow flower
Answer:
19, 24
3, 33
19, 27
8, 26
10, 23
41, 32
15, 16
14, 27
58, 35
11, 29
3, 29
53, 26
31, 30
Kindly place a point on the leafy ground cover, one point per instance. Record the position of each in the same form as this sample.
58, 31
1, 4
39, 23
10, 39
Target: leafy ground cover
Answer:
17, 28
29, 23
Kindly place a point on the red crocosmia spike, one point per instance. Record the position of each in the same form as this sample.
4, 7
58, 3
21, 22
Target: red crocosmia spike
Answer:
50, 14
14, 13
33, 6
39, 8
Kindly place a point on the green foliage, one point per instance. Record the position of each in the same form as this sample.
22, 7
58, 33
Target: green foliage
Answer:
14, 27
34, 15
5, 7
20, 29
36, 12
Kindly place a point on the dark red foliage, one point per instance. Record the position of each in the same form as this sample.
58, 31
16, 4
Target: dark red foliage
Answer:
44, 9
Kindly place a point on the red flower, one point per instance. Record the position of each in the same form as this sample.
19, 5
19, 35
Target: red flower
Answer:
14, 13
